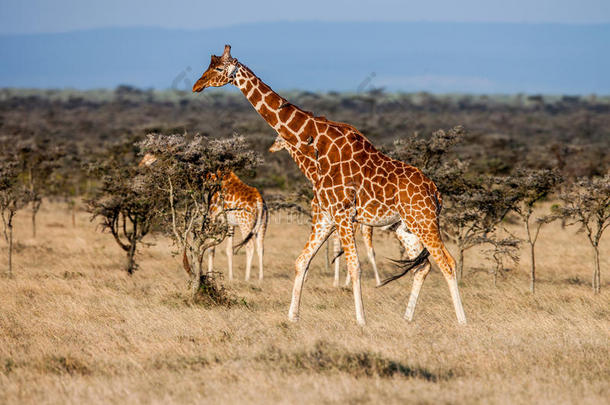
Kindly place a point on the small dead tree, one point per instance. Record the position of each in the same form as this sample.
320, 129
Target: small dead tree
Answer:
532, 186
13, 197
586, 202
187, 173
500, 252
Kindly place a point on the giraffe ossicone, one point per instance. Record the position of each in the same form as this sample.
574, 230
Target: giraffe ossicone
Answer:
354, 182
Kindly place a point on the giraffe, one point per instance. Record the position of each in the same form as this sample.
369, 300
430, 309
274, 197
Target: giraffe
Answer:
408, 243
307, 165
355, 183
245, 208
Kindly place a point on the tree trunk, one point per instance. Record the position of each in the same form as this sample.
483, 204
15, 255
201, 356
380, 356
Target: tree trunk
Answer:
10, 250
34, 211
533, 269
596, 273
131, 264
460, 264
74, 215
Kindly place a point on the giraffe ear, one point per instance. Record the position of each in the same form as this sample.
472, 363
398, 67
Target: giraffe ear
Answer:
227, 52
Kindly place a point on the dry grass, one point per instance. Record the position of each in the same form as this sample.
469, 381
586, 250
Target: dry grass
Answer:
74, 328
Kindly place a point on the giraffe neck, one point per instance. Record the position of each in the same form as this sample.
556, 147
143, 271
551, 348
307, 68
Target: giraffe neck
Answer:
305, 163
294, 125
285, 118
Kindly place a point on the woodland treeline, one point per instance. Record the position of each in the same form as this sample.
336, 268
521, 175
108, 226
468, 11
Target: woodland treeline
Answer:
493, 158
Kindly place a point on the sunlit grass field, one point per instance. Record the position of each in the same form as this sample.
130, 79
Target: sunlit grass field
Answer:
75, 328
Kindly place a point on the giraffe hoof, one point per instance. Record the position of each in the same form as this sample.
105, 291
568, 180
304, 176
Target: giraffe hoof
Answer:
293, 318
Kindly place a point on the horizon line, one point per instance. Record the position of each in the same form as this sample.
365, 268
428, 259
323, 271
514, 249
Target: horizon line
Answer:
236, 25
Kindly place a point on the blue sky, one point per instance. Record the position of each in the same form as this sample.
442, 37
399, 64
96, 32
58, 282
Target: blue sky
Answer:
41, 16
442, 46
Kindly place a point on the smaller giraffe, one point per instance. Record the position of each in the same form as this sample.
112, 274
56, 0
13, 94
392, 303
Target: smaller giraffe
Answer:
245, 208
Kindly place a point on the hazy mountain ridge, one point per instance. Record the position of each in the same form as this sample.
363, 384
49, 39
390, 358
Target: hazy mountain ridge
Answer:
436, 57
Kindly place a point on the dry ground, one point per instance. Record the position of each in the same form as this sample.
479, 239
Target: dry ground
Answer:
74, 328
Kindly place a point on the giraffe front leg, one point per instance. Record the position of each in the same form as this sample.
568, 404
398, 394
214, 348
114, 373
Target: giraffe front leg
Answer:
211, 260
249, 256
229, 251
345, 228
321, 229
260, 251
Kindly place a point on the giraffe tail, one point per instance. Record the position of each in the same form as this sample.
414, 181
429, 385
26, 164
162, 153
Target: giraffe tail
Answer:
256, 226
338, 255
406, 265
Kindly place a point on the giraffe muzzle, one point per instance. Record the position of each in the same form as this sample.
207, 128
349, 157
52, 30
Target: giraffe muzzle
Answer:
199, 86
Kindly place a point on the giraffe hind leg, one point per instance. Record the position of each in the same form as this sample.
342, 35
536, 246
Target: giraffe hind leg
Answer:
427, 231
412, 249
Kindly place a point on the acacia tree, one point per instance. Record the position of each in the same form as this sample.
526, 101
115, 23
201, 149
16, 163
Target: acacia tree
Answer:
501, 251
13, 197
587, 202
470, 218
187, 173
125, 204
532, 186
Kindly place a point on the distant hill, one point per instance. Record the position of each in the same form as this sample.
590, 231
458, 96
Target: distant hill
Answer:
434, 57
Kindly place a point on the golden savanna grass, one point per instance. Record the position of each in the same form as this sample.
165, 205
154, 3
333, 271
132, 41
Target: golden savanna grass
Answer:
75, 328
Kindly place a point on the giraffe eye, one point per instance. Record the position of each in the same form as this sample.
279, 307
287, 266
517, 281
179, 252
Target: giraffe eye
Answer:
218, 69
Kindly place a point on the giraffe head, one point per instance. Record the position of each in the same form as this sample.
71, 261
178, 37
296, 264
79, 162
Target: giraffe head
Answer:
221, 71
147, 160
278, 144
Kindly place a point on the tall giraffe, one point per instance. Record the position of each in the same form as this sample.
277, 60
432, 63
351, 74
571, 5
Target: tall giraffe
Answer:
408, 242
307, 165
355, 183
245, 208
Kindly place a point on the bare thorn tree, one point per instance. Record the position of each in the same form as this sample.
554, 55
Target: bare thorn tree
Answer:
532, 186
501, 252
587, 203
13, 197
